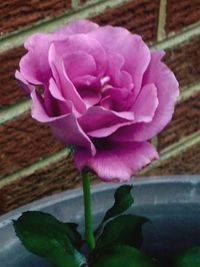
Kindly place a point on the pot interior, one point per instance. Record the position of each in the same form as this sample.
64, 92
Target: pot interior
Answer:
171, 203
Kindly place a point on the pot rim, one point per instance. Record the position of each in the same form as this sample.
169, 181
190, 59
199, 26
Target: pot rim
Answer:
190, 180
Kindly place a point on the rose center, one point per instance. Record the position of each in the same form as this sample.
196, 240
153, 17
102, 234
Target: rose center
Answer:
104, 83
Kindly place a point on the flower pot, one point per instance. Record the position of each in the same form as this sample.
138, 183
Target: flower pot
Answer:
171, 202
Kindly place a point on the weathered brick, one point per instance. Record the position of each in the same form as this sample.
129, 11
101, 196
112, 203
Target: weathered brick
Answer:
181, 14
184, 61
186, 120
138, 16
186, 162
10, 91
53, 179
16, 13
24, 141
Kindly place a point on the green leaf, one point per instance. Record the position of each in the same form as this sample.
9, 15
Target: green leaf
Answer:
123, 256
188, 258
123, 201
73, 234
122, 230
44, 235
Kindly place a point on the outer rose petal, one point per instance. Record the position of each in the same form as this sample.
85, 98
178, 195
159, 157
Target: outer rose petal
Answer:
34, 65
26, 86
167, 92
65, 127
78, 26
117, 162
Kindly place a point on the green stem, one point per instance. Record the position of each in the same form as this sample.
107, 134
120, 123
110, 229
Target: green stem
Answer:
89, 236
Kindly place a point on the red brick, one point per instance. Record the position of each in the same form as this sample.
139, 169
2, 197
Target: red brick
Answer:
53, 179
184, 61
181, 14
10, 91
17, 13
186, 162
186, 120
138, 16
24, 141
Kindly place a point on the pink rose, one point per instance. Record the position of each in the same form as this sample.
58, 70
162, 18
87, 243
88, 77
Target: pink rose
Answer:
101, 90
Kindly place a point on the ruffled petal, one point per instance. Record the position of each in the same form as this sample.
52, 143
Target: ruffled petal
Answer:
83, 43
100, 122
90, 97
118, 77
78, 26
55, 103
167, 93
66, 87
65, 127
117, 161
146, 104
34, 65
28, 88
135, 52
79, 64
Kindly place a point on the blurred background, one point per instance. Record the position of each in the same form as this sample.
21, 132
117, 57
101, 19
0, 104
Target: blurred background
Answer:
33, 164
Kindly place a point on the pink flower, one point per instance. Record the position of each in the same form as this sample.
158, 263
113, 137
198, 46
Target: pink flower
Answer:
101, 90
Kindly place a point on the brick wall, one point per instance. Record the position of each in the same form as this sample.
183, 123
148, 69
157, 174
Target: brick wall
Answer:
33, 163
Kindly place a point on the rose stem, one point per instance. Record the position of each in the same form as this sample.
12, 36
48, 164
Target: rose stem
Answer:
89, 236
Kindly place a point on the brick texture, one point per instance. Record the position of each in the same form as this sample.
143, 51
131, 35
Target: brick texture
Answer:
24, 141
181, 14
184, 61
10, 91
48, 181
17, 13
138, 16
186, 162
186, 120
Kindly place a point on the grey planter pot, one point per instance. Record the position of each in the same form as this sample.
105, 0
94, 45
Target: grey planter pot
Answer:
171, 202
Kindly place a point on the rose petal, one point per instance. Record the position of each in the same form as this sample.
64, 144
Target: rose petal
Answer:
28, 88
65, 127
55, 103
34, 65
66, 87
100, 122
146, 104
68, 130
167, 93
121, 98
118, 161
79, 64
90, 97
78, 26
119, 78
135, 52
83, 42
